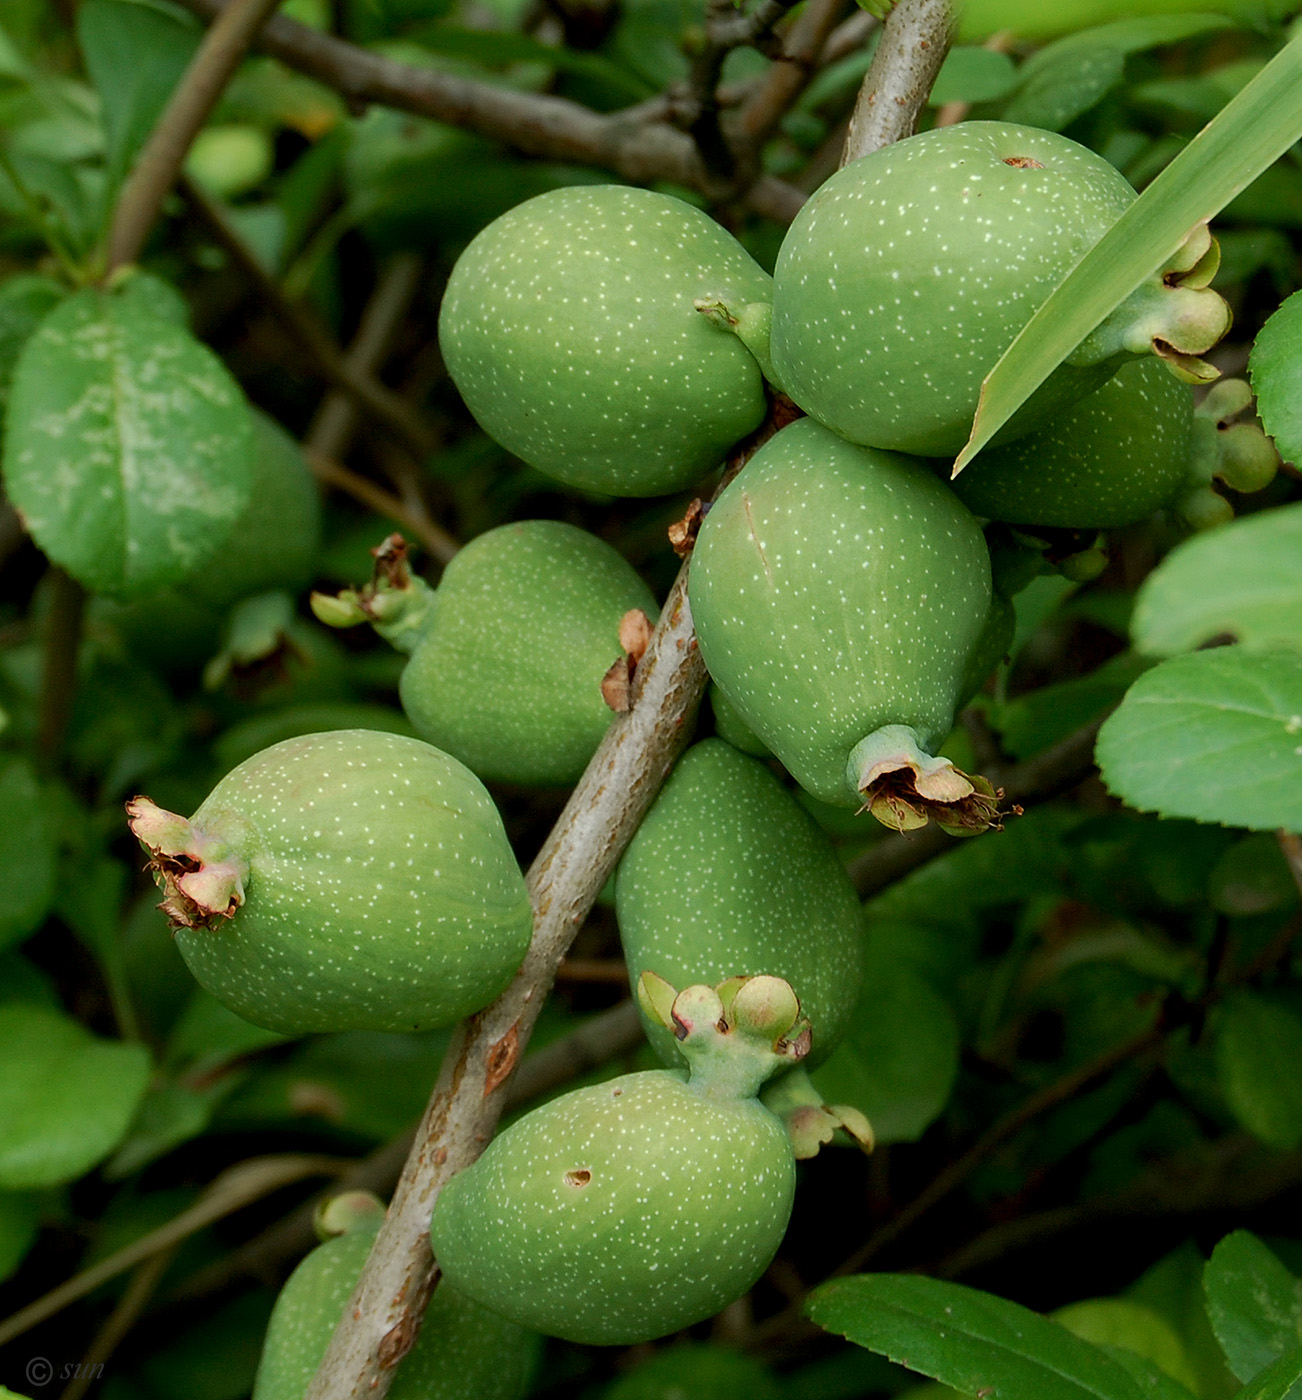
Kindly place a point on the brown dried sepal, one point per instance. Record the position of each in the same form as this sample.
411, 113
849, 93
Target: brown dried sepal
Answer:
634, 636
682, 533
906, 800
196, 893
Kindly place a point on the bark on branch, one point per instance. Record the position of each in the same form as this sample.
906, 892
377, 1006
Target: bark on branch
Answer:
382, 1320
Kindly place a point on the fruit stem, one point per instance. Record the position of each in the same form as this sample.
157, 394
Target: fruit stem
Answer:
752, 324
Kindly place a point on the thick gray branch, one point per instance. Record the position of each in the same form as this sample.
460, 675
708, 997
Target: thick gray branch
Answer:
914, 42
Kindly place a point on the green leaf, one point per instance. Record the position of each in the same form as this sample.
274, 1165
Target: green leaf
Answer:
899, 1058
135, 53
973, 74
25, 301
1132, 1327
1276, 1382
1253, 1302
66, 1097
977, 1343
1275, 368
1258, 1050
1216, 736
129, 446
1244, 579
1252, 132
20, 1222
1056, 93
28, 853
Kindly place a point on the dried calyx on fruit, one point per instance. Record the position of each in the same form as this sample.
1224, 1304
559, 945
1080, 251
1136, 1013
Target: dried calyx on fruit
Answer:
728, 873
570, 327
509, 652
631, 1209
838, 592
352, 880
908, 273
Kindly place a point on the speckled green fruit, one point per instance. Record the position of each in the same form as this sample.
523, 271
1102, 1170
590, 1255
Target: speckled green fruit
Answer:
631, 1209
464, 1351
620, 1212
908, 273
571, 330
353, 880
523, 626
838, 590
729, 876
1112, 459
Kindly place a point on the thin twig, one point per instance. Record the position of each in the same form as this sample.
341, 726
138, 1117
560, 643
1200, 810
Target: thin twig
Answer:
231, 1191
792, 69
1291, 845
599, 1039
441, 545
390, 410
914, 42
218, 56
335, 423
1051, 1096
140, 1288
59, 661
552, 128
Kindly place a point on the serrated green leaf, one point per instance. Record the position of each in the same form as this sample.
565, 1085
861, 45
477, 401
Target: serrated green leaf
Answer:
1253, 1302
1258, 1050
978, 1343
1275, 368
1216, 736
129, 446
66, 1097
1276, 1382
1244, 579
1251, 133
134, 54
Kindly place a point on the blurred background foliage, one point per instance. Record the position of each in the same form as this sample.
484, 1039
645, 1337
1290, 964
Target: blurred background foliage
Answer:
1133, 980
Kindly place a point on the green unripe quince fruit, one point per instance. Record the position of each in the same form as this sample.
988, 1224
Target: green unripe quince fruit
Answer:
1113, 459
353, 880
523, 626
631, 1209
909, 272
571, 329
838, 592
728, 874
464, 1351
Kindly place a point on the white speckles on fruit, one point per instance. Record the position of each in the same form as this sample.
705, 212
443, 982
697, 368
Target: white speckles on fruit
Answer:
326, 938
728, 876
570, 328
879, 588
507, 676
907, 274
686, 1203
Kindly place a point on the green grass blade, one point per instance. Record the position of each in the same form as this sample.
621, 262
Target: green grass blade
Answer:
1250, 134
